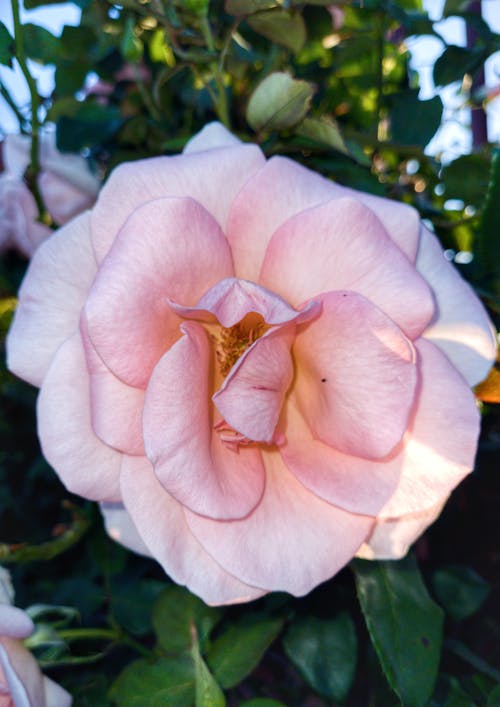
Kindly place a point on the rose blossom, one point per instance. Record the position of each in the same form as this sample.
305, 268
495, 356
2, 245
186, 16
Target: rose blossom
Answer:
257, 372
66, 184
21, 682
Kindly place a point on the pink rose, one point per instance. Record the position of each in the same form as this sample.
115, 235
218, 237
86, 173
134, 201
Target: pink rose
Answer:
259, 373
21, 682
66, 185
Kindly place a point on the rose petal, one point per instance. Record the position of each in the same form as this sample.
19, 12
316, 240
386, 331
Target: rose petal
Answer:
85, 465
251, 397
162, 526
355, 484
24, 679
50, 300
122, 429
14, 622
231, 299
284, 188
391, 538
341, 245
460, 327
55, 695
168, 248
291, 542
120, 527
213, 135
188, 457
210, 178
356, 376
442, 440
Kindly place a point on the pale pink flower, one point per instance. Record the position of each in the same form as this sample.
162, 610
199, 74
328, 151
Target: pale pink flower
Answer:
21, 682
257, 372
66, 184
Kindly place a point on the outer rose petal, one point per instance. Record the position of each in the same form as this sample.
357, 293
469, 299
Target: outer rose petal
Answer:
291, 542
213, 135
442, 440
356, 376
55, 695
14, 622
284, 188
19, 228
63, 200
85, 465
188, 457
161, 524
120, 527
23, 676
437, 451
461, 327
168, 248
50, 300
341, 245
392, 537
212, 178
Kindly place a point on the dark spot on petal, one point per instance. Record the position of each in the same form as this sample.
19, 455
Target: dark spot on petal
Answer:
323, 380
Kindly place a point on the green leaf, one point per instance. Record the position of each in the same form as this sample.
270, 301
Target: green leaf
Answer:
325, 652
473, 189
6, 46
92, 125
405, 625
454, 62
131, 46
175, 613
239, 8
262, 702
455, 7
279, 102
488, 231
168, 682
414, 122
131, 603
70, 77
207, 691
40, 44
238, 650
459, 590
323, 131
280, 26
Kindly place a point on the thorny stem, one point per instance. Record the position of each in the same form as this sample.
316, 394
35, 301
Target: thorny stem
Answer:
34, 168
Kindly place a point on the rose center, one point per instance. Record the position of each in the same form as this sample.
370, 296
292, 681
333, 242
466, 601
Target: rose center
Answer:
230, 343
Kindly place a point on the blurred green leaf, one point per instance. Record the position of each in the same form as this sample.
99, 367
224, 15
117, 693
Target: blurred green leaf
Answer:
131, 46
454, 62
237, 651
325, 652
247, 7
281, 26
175, 613
40, 44
279, 102
262, 702
6, 46
459, 590
414, 122
472, 190
93, 124
323, 131
405, 625
488, 230
168, 682
207, 691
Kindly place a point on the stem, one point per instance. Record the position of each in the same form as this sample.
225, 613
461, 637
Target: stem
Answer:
51, 548
114, 635
146, 98
220, 98
34, 167
380, 73
12, 105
